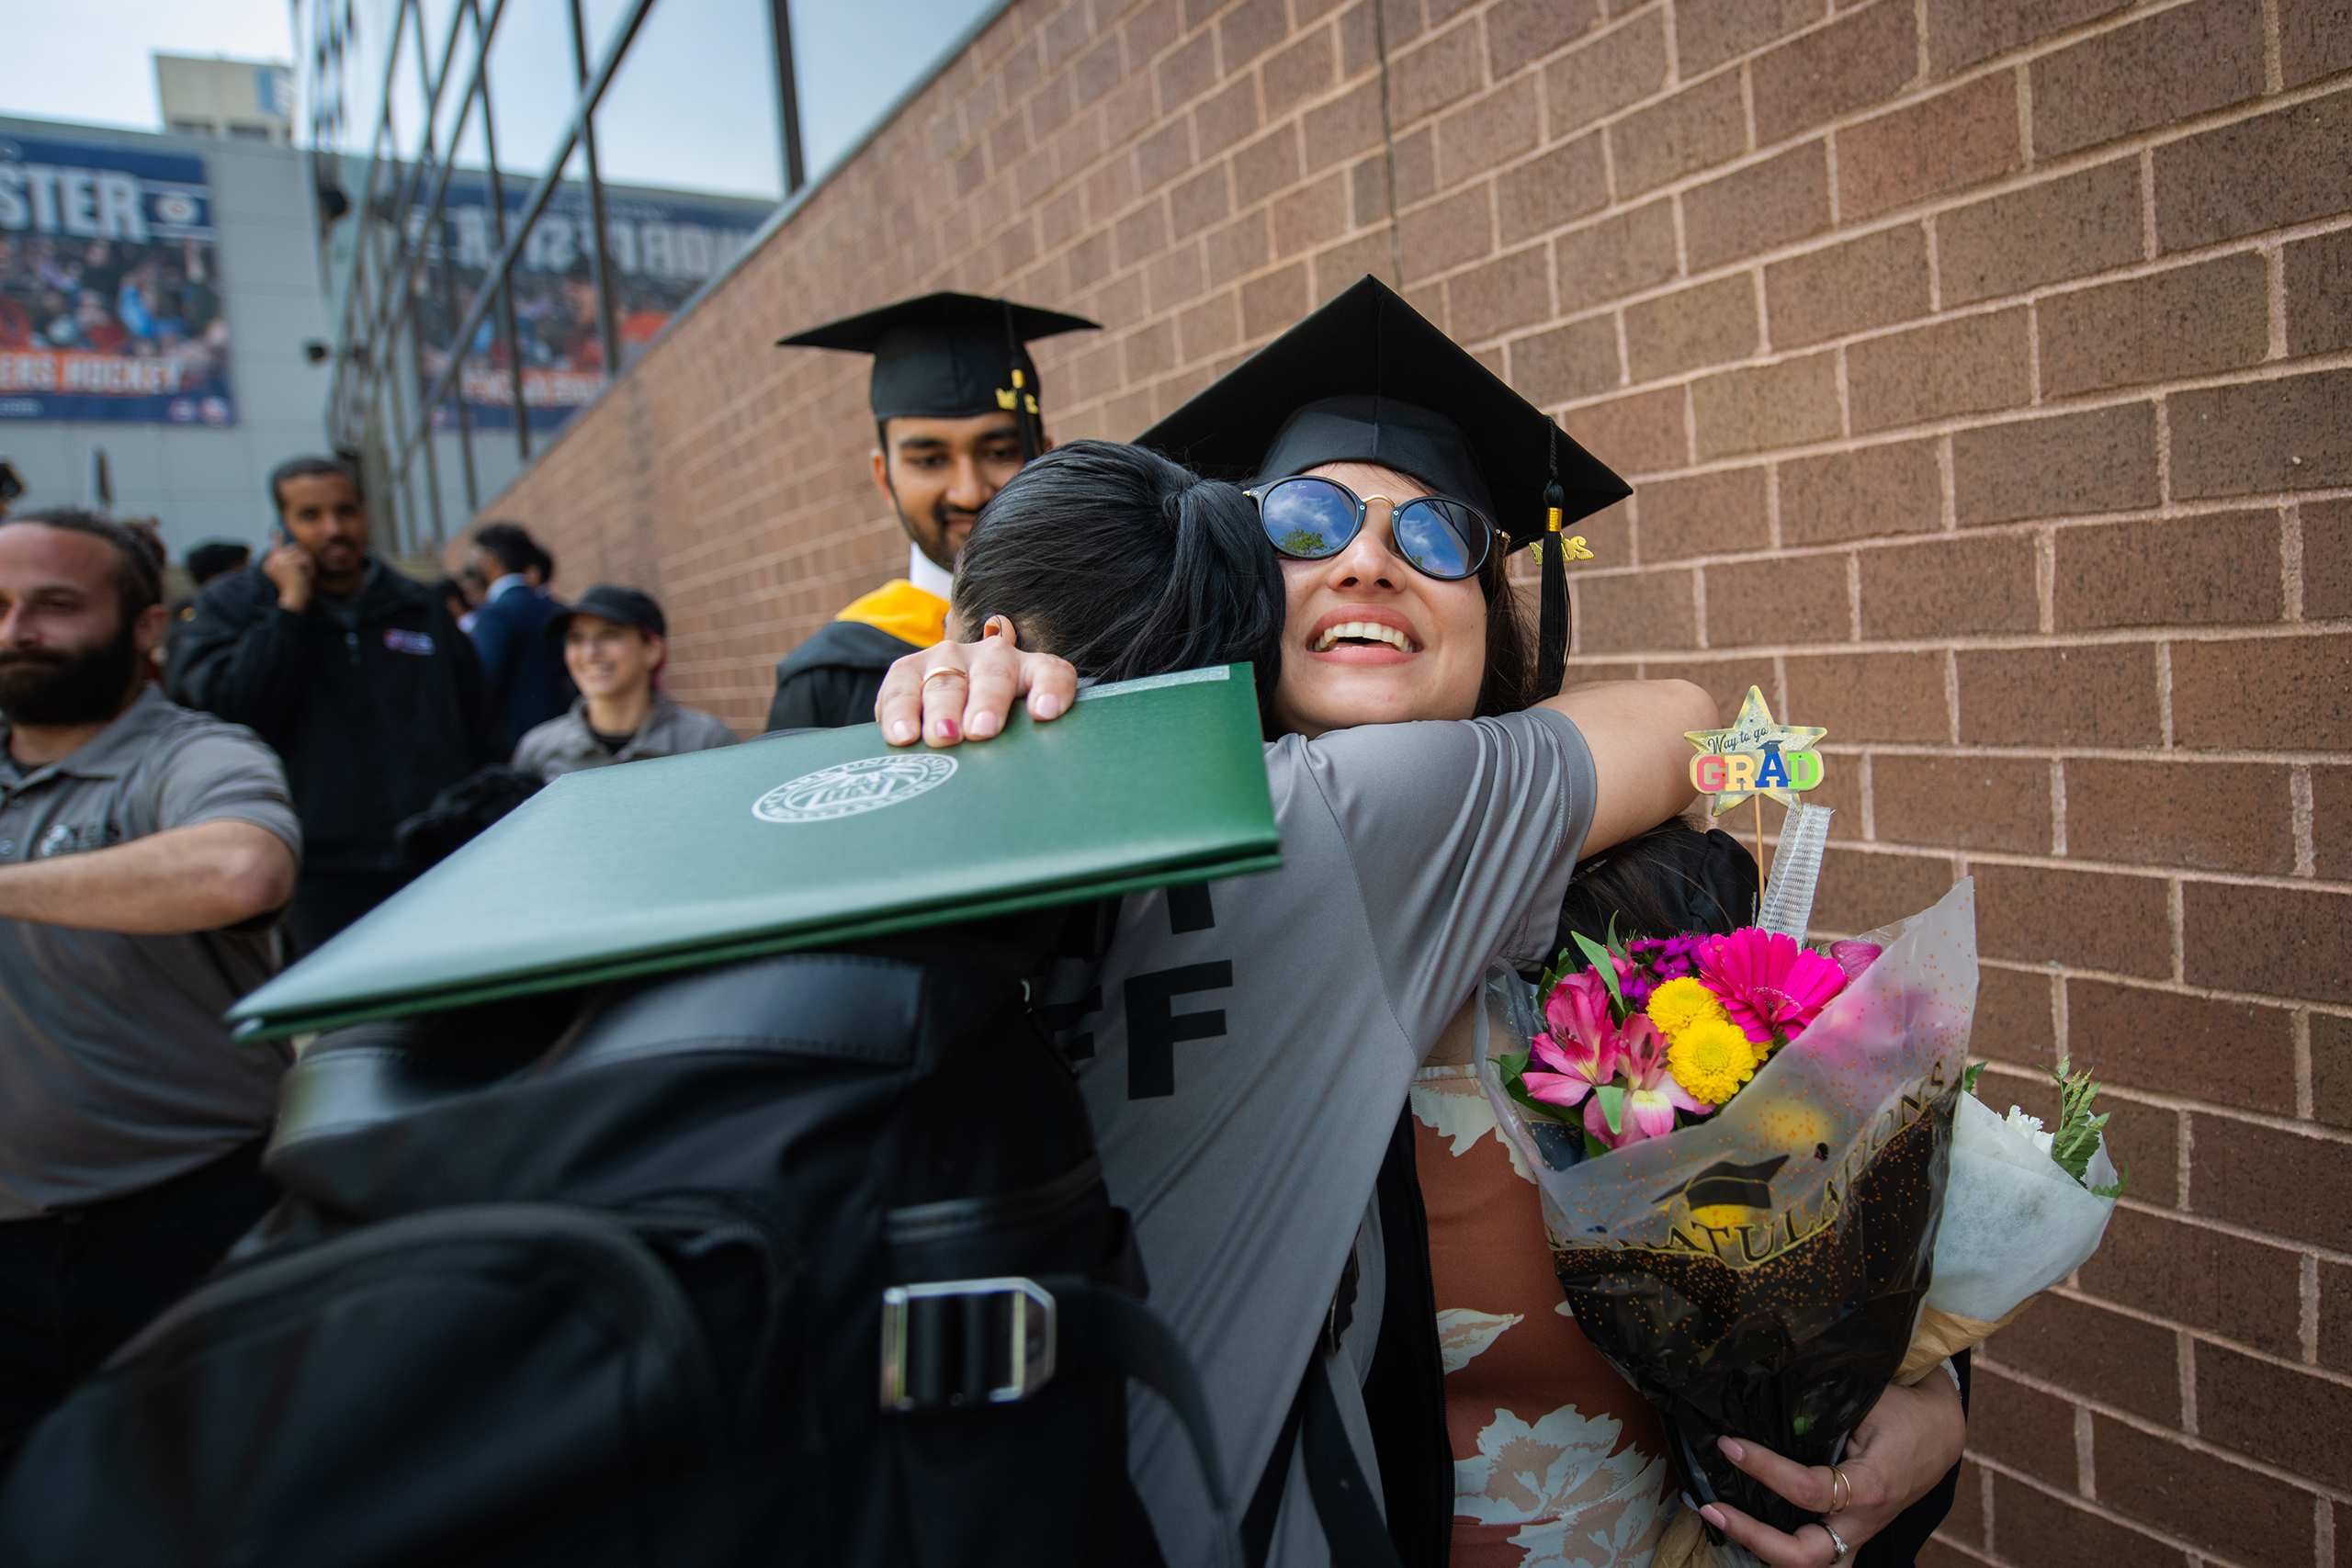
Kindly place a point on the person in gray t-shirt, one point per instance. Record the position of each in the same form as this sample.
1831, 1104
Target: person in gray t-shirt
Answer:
143, 850
1245, 1047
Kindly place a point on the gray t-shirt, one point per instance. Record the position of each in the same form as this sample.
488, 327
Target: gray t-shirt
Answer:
565, 744
116, 1071
1249, 1047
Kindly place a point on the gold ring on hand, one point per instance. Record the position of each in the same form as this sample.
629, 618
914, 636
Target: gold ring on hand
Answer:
941, 675
1841, 1492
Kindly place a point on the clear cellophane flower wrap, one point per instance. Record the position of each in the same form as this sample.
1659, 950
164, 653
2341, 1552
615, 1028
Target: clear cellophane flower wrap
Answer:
2013, 1226
1758, 1275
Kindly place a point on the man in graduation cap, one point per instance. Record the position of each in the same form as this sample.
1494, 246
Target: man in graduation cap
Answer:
955, 413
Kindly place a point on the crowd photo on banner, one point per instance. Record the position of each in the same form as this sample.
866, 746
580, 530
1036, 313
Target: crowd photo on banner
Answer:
1198, 1018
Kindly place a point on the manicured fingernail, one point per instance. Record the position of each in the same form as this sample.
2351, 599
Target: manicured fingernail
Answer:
984, 724
903, 730
1712, 1515
1732, 1450
1045, 705
946, 730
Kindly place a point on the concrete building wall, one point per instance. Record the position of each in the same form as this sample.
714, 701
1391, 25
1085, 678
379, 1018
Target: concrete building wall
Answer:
1983, 369
205, 482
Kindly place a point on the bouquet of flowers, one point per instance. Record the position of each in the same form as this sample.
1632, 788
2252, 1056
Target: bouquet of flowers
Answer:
2024, 1208
1745, 1219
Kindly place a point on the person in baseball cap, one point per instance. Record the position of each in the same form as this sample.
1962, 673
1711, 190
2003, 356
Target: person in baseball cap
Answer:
614, 641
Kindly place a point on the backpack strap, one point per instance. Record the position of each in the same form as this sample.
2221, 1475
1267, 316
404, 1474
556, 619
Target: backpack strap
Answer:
1353, 1527
1123, 1335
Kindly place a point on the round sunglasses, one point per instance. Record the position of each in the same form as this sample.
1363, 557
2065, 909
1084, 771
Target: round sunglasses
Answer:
1308, 517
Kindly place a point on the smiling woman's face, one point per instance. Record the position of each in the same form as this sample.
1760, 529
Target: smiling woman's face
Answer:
1370, 639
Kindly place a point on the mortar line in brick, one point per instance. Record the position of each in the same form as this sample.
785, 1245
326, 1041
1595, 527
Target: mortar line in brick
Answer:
2085, 1467
1952, 695
1961, 751
2175, 906
1985, 1490
1625, 354
1829, 159
2058, 806
2185, 1148
2304, 818
1973, 642
2273, 75
1666, 19
1845, 398
1862, 783
1699, 606
2137, 1526
1854, 596
2290, 561
2322, 1532
1920, 66
2091, 1406
2307, 1293
2045, 579
2164, 691
1747, 102
2185, 1348
2025, 114
1772, 504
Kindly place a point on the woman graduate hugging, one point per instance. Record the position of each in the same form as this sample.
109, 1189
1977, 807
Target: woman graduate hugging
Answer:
1245, 1048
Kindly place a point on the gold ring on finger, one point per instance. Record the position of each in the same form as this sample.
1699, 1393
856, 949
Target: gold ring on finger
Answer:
941, 675
1841, 1492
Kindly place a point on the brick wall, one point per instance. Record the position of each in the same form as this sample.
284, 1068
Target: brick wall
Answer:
1983, 368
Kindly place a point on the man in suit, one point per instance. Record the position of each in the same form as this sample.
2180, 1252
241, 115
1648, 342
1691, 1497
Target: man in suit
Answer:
955, 415
528, 684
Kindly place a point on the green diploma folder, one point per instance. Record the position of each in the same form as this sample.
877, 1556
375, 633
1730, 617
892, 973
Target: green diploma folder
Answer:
679, 862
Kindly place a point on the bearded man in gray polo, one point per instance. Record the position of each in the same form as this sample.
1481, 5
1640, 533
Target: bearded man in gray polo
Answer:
144, 850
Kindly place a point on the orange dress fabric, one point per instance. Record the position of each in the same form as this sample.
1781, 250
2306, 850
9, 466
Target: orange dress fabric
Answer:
1556, 1459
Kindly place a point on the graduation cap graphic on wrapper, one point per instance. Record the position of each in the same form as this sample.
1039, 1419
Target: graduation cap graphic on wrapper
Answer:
950, 357
1367, 378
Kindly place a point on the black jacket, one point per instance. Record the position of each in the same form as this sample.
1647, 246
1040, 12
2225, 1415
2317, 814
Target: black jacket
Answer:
833, 679
371, 723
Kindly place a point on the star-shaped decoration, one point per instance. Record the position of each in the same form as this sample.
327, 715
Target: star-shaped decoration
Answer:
1753, 733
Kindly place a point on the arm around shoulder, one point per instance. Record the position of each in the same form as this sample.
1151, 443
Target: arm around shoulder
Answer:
1641, 761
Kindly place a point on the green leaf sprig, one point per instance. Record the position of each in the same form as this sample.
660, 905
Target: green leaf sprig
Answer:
2078, 1131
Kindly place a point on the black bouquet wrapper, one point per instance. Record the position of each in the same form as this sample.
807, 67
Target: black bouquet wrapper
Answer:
1791, 1352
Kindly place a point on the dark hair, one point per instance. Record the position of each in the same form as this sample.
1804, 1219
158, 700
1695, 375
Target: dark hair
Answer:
303, 469
515, 550
1671, 881
139, 565
1510, 681
213, 556
1126, 564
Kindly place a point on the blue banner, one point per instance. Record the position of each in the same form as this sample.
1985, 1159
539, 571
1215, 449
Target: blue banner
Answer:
109, 287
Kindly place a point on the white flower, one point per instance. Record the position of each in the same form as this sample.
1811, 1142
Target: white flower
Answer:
2029, 1128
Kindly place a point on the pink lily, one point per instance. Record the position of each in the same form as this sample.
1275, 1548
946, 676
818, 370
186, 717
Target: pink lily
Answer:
1580, 1049
1652, 1096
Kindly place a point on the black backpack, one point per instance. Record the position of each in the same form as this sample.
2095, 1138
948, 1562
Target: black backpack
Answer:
803, 1261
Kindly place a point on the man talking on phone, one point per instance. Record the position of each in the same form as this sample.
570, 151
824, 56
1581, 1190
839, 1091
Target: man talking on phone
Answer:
355, 675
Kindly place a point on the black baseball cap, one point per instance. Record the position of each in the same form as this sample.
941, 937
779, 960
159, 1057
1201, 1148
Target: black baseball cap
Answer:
611, 602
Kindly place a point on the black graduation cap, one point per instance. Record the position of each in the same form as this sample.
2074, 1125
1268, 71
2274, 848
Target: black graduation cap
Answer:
1367, 378
949, 356
1748, 1186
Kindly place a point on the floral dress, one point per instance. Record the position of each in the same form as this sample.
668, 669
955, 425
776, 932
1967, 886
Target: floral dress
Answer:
1556, 1461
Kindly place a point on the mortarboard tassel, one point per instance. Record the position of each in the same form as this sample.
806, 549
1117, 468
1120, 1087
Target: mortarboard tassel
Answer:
1025, 417
1552, 621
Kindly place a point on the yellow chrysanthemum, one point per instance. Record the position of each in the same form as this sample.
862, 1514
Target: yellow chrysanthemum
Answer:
1676, 1005
1711, 1059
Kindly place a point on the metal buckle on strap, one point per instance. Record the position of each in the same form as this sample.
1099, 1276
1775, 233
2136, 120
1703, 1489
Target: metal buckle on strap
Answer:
953, 1344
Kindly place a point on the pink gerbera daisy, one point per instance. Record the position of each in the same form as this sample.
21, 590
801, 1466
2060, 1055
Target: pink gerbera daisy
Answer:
1770, 985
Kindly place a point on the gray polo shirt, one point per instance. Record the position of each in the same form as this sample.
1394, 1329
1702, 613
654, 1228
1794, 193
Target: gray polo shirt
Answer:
565, 744
116, 1071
